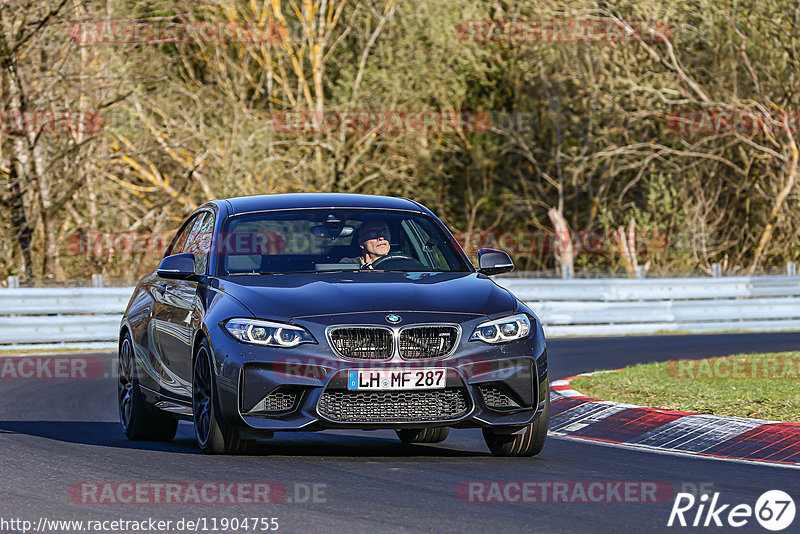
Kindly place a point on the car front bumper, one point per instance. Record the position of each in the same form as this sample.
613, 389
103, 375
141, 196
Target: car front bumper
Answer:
305, 388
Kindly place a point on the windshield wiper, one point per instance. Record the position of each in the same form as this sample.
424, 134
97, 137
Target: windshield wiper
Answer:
259, 273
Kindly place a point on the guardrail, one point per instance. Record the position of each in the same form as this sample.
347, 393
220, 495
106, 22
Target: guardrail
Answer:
641, 306
57, 315
566, 308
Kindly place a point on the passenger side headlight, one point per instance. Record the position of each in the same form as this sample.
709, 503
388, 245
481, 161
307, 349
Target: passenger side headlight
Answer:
268, 333
502, 330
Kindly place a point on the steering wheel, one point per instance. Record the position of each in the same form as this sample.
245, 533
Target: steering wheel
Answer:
402, 260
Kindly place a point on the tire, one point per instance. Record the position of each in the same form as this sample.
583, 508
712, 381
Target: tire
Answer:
139, 421
423, 435
214, 435
528, 443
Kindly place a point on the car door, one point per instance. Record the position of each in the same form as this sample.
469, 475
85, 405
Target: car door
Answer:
155, 369
172, 318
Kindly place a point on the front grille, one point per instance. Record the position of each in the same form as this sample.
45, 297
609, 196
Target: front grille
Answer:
362, 343
494, 397
280, 401
423, 342
393, 406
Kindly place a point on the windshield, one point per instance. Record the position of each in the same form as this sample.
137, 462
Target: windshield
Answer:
324, 240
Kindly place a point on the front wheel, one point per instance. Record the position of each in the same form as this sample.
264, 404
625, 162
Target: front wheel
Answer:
214, 435
529, 442
139, 422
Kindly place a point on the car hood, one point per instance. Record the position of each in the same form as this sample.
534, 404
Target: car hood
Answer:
293, 296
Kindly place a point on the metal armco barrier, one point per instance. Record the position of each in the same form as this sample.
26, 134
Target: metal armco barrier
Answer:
566, 307
641, 306
57, 315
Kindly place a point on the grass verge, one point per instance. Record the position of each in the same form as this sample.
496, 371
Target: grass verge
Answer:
762, 386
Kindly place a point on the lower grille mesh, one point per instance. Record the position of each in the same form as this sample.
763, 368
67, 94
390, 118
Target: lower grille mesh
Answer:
393, 406
494, 397
275, 402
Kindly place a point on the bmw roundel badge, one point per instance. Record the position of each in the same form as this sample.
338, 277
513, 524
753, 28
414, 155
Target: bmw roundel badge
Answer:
393, 318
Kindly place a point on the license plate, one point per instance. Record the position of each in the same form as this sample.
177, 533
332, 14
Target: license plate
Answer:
389, 379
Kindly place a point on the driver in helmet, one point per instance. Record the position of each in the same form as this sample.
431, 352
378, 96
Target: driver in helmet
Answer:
374, 240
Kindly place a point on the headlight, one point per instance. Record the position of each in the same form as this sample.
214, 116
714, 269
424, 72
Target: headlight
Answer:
502, 330
268, 333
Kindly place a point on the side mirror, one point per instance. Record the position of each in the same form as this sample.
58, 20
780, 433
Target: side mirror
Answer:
491, 261
178, 267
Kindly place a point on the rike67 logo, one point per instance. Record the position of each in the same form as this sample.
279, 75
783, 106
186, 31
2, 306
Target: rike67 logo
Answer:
774, 510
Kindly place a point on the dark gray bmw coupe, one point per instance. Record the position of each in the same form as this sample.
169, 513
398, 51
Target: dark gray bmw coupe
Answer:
306, 312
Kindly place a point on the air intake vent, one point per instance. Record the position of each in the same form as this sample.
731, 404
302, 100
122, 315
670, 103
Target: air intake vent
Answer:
424, 342
362, 343
394, 406
277, 402
494, 397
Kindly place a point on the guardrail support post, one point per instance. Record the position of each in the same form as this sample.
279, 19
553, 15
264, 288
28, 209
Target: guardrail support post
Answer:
717, 269
13, 282
640, 271
97, 280
566, 272
791, 268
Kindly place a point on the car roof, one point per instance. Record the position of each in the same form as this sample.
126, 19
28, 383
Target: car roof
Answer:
318, 200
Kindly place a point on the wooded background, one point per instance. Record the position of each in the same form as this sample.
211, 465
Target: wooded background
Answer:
582, 135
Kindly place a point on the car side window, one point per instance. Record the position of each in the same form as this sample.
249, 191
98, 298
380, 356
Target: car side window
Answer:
198, 241
429, 250
180, 238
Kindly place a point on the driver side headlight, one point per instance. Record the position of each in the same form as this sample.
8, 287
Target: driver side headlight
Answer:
268, 333
502, 330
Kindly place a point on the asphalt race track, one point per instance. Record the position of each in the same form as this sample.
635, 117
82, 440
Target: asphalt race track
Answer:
58, 433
